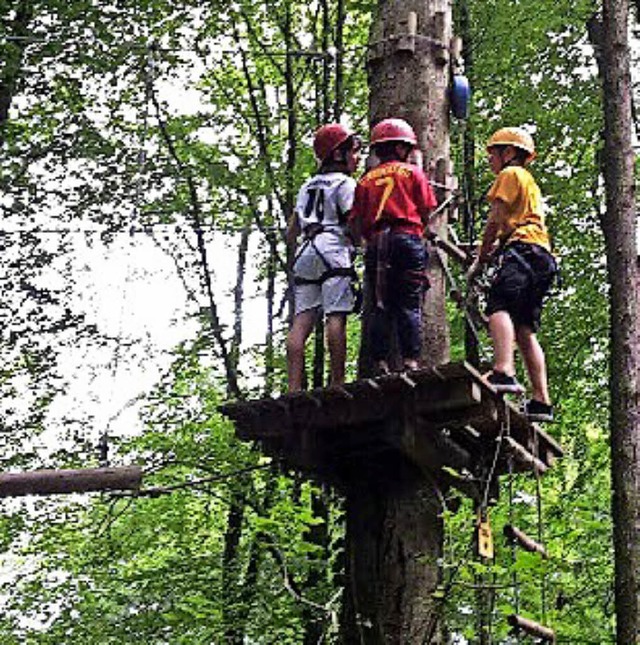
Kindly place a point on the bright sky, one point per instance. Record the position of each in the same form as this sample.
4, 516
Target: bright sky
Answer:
130, 290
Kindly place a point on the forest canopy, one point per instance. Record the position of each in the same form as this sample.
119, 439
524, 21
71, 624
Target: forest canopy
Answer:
150, 129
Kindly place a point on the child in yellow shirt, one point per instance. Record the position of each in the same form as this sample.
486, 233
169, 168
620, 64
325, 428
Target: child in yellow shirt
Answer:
516, 225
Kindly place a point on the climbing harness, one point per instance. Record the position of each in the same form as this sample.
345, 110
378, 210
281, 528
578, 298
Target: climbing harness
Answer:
381, 246
310, 233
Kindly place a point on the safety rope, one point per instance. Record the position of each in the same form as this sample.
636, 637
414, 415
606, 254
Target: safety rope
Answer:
463, 303
543, 576
513, 548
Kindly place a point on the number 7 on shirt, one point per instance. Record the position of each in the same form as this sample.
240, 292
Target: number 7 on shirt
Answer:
389, 184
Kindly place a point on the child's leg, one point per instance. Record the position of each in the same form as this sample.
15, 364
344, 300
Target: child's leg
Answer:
380, 332
378, 319
302, 326
336, 328
503, 337
409, 267
408, 316
535, 363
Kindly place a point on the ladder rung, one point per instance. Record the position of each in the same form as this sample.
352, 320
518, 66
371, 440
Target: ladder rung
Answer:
451, 249
371, 383
514, 534
524, 456
532, 628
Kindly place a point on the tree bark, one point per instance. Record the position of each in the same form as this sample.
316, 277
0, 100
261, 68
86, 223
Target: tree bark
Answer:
233, 629
619, 225
393, 545
472, 349
238, 295
11, 72
394, 535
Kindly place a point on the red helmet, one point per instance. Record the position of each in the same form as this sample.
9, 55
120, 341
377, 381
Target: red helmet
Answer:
328, 138
393, 130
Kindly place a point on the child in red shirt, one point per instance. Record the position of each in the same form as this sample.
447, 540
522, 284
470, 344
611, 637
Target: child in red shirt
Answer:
392, 204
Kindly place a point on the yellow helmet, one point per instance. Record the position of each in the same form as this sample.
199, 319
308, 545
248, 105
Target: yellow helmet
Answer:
516, 137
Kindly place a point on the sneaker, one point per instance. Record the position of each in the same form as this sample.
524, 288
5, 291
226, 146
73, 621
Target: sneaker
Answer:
504, 383
538, 411
381, 368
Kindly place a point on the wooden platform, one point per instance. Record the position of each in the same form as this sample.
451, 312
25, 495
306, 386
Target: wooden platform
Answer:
445, 420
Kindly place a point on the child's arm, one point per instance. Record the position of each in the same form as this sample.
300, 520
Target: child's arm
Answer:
426, 201
497, 216
492, 228
354, 219
293, 230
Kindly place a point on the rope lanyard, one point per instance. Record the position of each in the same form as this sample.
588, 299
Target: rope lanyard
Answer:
543, 576
513, 547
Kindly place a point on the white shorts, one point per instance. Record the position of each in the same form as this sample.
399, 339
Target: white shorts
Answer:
333, 295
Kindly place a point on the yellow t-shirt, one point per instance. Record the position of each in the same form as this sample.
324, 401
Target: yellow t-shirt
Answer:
525, 221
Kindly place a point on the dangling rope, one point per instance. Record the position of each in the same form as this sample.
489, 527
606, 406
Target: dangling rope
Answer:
513, 548
147, 76
543, 577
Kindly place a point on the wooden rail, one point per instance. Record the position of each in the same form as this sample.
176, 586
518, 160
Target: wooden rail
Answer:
52, 482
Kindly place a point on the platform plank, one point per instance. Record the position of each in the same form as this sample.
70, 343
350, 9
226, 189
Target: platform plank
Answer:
446, 417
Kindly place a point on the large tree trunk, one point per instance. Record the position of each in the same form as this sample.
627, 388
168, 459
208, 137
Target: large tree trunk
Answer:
394, 532
619, 224
393, 545
413, 85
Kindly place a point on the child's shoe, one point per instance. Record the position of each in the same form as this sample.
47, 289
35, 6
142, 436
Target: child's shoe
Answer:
504, 383
538, 411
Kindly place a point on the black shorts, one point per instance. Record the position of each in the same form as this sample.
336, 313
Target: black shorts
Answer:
525, 275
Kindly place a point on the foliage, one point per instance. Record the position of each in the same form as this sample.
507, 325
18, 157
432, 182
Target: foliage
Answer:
184, 123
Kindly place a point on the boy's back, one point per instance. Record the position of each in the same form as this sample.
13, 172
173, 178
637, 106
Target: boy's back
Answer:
396, 194
324, 200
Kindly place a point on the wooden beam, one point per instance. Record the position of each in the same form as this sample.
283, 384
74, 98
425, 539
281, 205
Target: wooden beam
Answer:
532, 628
514, 534
453, 251
53, 482
521, 454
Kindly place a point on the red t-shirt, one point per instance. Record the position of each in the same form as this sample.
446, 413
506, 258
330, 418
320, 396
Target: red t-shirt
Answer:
393, 194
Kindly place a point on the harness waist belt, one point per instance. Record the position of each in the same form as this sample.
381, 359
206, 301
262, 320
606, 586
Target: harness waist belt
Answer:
347, 272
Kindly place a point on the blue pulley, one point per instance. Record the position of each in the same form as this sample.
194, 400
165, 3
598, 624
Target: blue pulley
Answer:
460, 96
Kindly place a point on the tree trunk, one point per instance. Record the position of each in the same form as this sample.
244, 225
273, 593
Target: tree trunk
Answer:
619, 224
413, 85
472, 349
394, 534
393, 545
231, 565
11, 72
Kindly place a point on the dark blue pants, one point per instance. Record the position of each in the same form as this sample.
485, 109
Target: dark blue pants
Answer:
395, 268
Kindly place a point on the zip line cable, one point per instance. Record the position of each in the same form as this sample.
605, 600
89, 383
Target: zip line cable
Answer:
330, 54
196, 483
